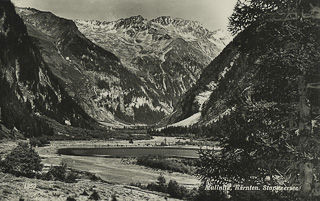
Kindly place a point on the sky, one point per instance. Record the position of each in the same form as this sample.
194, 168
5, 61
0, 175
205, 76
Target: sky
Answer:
213, 14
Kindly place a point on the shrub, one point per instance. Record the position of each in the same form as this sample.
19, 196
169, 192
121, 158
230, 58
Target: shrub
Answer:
59, 173
40, 142
70, 199
153, 187
71, 177
138, 184
160, 186
177, 191
162, 183
44, 140
34, 142
23, 160
94, 196
94, 177
173, 189
163, 163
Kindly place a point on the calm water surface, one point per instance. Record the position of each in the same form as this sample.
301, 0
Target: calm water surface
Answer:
132, 152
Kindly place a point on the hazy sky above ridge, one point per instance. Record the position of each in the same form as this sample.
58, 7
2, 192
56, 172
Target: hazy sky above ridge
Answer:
213, 14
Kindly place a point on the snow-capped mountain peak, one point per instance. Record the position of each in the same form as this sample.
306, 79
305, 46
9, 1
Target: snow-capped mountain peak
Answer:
167, 53
159, 60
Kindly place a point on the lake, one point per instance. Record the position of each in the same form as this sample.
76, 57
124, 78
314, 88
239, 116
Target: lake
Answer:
120, 152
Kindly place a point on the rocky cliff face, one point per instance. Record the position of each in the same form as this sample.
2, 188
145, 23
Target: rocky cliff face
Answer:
28, 89
94, 77
167, 54
157, 62
137, 37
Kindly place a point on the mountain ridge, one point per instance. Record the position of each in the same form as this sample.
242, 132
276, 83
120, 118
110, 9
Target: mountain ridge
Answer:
168, 54
142, 90
28, 89
135, 21
106, 86
248, 74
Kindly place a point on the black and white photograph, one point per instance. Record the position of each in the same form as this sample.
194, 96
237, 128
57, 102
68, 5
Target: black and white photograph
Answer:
160, 100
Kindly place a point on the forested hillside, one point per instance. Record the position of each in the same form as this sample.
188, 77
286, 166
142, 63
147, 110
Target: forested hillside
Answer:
261, 99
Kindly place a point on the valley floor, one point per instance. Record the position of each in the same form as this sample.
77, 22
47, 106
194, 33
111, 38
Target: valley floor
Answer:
120, 173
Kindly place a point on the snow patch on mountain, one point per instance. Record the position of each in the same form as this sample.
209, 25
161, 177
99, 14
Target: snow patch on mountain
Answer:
202, 97
168, 54
188, 121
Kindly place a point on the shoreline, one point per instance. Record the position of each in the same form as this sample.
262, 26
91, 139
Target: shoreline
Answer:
114, 171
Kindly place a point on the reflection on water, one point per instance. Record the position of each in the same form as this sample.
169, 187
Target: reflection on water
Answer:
132, 152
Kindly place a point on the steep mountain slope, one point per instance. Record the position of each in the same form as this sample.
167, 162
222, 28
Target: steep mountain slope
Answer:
168, 54
94, 77
28, 89
259, 70
158, 67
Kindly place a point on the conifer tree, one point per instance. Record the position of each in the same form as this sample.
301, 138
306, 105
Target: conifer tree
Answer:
274, 136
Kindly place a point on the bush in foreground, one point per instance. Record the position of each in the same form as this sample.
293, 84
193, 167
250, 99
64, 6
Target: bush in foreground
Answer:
22, 161
94, 196
59, 173
172, 188
176, 191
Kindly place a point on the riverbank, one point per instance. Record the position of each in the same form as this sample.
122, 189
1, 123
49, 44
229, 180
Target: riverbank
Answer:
117, 172
114, 170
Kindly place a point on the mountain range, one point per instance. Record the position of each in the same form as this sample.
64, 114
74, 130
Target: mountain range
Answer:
128, 71
139, 71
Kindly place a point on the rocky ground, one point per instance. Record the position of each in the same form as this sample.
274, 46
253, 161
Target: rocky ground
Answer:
15, 188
